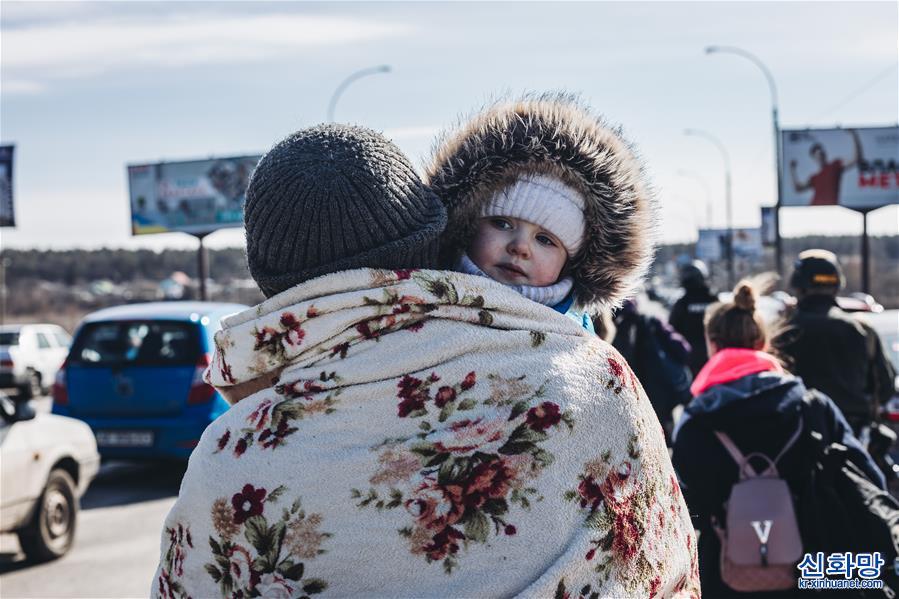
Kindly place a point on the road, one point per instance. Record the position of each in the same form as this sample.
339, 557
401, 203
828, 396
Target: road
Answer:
117, 540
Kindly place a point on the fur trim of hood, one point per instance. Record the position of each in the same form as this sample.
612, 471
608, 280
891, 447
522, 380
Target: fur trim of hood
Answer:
556, 135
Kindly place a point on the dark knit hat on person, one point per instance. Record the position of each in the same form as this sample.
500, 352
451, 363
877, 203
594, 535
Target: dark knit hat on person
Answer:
817, 271
337, 197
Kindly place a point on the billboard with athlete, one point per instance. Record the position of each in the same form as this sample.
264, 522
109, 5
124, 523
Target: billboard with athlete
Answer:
853, 168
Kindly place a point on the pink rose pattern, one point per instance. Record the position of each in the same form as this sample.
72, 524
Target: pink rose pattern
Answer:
272, 421
394, 311
459, 478
632, 521
457, 482
252, 555
218, 361
274, 341
277, 343
621, 375
270, 341
168, 583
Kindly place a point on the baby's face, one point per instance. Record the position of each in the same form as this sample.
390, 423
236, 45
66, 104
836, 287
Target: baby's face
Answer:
517, 252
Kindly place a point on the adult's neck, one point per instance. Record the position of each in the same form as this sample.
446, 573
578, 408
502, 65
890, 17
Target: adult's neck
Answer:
817, 300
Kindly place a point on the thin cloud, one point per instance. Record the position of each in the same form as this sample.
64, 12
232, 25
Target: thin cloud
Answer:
34, 54
21, 87
18, 14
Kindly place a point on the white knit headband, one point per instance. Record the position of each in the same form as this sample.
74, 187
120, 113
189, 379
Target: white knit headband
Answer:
544, 201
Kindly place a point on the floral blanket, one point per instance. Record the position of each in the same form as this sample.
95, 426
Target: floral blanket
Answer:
424, 433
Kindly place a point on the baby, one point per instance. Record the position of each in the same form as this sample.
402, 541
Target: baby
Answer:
526, 236
543, 197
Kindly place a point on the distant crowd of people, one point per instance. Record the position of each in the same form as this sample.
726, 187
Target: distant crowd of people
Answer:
752, 398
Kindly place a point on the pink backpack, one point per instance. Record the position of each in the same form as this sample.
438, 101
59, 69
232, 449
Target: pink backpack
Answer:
760, 542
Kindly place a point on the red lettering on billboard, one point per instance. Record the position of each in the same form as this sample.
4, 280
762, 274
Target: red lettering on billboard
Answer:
867, 180
880, 180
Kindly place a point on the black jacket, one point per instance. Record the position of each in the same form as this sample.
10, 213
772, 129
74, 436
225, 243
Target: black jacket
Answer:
658, 356
838, 355
687, 316
759, 412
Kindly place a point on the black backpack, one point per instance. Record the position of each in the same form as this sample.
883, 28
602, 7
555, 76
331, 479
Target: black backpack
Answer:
665, 379
842, 510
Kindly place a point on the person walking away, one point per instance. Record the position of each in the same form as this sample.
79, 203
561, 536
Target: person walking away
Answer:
831, 351
688, 313
746, 404
658, 356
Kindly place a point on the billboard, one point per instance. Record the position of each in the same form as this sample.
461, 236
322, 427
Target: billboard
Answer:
853, 168
712, 244
7, 214
197, 196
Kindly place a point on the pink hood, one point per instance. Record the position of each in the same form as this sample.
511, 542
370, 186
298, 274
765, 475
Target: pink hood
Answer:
731, 364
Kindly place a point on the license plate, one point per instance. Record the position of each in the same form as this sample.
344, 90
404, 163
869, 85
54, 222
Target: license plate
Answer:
124, 438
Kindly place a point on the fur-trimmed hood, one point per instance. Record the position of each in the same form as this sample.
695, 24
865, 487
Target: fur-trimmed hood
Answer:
554, 135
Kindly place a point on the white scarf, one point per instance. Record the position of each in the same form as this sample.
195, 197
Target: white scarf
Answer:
424, 434
549, 295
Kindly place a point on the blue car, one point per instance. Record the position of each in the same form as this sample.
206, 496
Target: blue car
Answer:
134, 374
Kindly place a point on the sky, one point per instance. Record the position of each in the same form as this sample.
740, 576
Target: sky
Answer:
88, 87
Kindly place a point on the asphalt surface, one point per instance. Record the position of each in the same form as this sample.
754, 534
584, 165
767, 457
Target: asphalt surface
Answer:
116, 547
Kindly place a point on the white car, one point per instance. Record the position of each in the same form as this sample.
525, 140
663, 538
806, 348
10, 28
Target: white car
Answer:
46, 464
30, 356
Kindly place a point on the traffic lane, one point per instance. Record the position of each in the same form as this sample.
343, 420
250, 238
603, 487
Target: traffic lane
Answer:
121, 483
116, 546
126, 482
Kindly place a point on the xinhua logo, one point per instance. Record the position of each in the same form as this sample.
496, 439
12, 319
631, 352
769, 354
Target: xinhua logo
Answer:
841, 571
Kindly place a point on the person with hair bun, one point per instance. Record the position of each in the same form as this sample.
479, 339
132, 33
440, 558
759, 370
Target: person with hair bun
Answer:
744, 392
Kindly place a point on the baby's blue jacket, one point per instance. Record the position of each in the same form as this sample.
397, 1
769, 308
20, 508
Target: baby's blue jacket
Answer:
582, 318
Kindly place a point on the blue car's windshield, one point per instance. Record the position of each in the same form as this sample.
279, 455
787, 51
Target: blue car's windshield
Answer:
151, 342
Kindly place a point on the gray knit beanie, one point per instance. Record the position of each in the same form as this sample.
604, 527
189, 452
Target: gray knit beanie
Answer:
337, 197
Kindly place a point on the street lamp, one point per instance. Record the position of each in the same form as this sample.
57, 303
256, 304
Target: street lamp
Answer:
346, 82
729, 215
708, 194
778, 249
